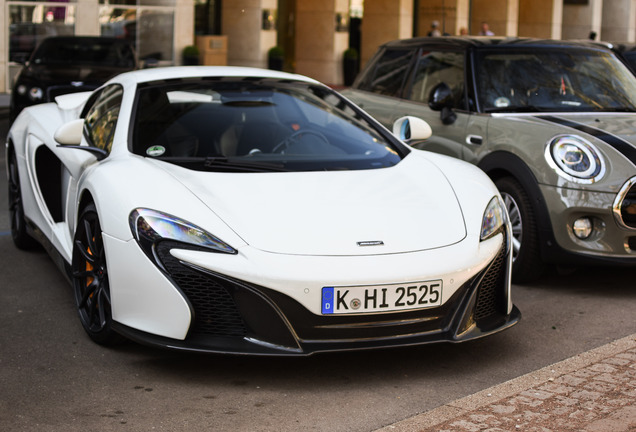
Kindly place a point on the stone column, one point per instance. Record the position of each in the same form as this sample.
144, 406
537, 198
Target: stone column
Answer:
541, 18
581, 19
383, 21
619, 21
87, 18
247, 41
4, 53
319, 47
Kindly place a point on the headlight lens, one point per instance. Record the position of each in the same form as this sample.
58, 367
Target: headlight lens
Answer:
150, 226
494, 219
575, 159
36, 94
21, 89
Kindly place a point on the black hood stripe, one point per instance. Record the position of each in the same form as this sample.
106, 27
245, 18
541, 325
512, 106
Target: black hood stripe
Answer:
625, 148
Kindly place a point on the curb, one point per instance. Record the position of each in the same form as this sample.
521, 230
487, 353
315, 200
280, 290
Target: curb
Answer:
466, 405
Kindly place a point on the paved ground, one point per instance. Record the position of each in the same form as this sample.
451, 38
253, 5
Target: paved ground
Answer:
592, 392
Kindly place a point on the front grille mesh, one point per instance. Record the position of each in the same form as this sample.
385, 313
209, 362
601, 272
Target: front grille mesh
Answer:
490, 296
215, 312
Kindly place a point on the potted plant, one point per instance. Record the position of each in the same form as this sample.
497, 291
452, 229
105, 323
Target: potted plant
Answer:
275, 58
351, 65
191, 55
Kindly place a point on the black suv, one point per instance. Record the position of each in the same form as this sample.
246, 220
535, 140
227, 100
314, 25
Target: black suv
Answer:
69, 64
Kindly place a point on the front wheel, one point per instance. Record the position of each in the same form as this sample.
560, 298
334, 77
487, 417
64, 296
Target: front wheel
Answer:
526, 260
90, 279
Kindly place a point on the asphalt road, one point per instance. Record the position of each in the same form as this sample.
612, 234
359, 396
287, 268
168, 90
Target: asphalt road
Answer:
53, 378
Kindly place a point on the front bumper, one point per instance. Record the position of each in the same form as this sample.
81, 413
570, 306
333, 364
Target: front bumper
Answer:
611, 241
234, 316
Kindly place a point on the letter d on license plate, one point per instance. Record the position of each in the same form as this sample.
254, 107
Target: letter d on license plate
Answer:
381, 298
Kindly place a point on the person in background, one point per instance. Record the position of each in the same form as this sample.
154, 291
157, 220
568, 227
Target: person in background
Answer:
485, 30
434, 29
463, 31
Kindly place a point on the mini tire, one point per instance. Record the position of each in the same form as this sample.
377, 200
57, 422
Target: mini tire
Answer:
19, 233
90, 279
527, 264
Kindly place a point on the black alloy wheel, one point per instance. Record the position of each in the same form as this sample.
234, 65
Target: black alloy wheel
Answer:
526, 260
19, 234
90, 279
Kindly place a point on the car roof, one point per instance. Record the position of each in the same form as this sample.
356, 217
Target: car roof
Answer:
465, 42
175, 72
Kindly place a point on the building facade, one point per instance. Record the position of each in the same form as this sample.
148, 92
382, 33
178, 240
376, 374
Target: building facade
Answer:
313, 34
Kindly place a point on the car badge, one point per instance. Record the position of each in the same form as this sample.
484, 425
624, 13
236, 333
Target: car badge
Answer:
371, 243
77, 83
156, 150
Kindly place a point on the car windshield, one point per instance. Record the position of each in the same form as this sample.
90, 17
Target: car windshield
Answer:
89, 51
256, 124
553, 80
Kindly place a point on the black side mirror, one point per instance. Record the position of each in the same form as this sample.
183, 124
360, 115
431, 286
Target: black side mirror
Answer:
441, 99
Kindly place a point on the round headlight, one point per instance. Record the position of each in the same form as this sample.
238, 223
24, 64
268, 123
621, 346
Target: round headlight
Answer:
36, 93
575, 159
21, 89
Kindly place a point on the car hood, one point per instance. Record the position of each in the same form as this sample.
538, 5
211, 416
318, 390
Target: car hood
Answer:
408, 207
603, 126
56, 74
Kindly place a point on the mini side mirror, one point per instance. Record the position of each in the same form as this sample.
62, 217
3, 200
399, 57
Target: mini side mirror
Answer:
411, 128
441, 99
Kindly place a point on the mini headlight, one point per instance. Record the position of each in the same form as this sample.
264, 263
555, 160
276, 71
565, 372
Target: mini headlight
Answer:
36, 93
21, 89
150, 226
494, 219
575, 159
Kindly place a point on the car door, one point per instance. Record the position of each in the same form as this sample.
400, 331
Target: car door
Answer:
433, 67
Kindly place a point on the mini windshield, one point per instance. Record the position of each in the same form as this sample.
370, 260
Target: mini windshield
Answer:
255, 124
553, 80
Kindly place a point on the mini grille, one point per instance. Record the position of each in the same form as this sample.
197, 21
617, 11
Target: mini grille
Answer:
628, 208
489, 297
215, 312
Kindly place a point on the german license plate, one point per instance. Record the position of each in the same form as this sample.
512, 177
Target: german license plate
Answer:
381, 298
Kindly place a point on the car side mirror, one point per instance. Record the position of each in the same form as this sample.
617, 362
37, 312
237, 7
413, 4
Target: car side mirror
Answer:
441, 99
411, 128
69, 135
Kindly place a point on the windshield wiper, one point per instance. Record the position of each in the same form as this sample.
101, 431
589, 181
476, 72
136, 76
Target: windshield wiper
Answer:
518, 109
225, 163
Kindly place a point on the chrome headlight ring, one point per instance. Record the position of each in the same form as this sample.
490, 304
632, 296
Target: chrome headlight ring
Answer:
575, 159
150, 226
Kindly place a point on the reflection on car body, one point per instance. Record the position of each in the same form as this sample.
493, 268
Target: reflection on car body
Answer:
551, 122
250, 211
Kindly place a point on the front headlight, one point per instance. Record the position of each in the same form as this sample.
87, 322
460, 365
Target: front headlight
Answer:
150, 227
494, 219
575, 159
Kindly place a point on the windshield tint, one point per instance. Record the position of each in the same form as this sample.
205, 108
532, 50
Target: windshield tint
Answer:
254, 125
84, 51
553, 80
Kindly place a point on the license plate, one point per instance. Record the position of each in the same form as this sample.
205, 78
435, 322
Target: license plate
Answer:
381, 298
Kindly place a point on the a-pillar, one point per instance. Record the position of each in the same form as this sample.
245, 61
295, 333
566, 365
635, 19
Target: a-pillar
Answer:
320, 42
541, 18
452, 15
618, 20
247, 40
383, 21
581, 19
501, 16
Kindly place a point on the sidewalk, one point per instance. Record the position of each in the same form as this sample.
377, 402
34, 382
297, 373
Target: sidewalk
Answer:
591, 392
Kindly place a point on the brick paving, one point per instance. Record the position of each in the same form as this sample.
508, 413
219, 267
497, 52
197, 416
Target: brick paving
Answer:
591, 392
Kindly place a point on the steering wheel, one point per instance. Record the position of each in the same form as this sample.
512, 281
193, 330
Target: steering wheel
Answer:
284, 144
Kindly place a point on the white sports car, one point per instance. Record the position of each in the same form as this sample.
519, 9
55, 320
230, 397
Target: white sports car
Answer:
249, 211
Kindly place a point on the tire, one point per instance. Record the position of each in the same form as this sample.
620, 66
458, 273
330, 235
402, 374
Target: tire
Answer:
527, 265
19, 234
90, 279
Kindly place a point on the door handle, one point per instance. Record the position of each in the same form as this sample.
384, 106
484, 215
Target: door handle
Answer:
474, 139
